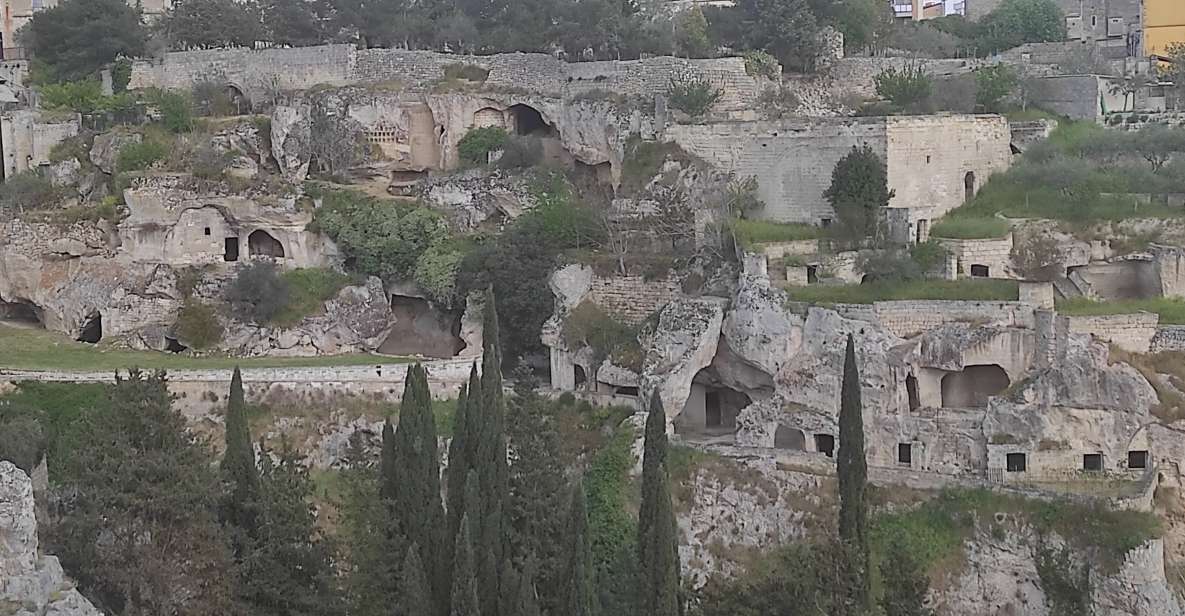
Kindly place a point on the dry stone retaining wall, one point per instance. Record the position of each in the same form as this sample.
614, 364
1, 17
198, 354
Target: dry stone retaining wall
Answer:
1168, 338
1130, 332
632, 298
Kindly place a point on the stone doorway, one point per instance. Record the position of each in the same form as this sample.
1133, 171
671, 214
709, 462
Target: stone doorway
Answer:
789, 438
92, 329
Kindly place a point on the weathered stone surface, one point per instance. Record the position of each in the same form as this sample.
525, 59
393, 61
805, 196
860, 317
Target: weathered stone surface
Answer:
64, 173
683, 343
1000, 577
758, 328
33, 585
106, 149
291, 141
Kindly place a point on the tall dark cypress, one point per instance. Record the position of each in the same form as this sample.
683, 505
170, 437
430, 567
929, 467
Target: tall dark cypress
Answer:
388, 473
578, 570
415, 593
458, 465
658, 544
852, 469
240, 475
490, 462
417, 507
527, 603
464, 589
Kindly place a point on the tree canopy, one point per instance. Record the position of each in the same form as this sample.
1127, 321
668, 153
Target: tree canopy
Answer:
76, 38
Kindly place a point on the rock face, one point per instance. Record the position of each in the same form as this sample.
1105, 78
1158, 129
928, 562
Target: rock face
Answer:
30, 585
105, 150
684, 343
291, 138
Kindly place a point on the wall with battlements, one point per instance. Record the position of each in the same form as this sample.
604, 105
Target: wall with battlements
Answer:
928, 158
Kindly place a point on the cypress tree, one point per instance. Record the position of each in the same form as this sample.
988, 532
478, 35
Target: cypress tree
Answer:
415, 595
658, 547
578, 570
388, 473
527, 603
240, 475
416, 491
490, 463
464, 590
458, 464
852, 469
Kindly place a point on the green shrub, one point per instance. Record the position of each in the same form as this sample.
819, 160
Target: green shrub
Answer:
589, 325
467, 72
693, 95
74, 148
197, 325
644, 159
929, 255
176, 110
969, 227
907, 88
475, 147
209, 163
257, 294
761, 64
121, 75
140, 156
28, 190
307, 290
882, 266
81, 96
753, 232
436, 272
993, 84
213, 99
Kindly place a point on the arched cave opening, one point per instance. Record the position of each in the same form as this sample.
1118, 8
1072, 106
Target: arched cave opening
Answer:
92, 329
972, 387
528, 121
21, 314
789, 438
969, 186
422, 330
173, 345
241, 103
711, 408
261, 244
579, 378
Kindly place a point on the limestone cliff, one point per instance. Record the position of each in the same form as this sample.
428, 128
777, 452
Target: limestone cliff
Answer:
31, 584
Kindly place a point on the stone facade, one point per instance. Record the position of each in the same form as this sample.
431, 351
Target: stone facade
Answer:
1168, 338
986, 258
934, 162
27, 140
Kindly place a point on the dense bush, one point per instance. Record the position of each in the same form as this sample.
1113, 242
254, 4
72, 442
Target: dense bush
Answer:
141, 156
258, 293
693, 95
858, 192
992, 85
76, 38
436, 273
307, 290
213, 99
28, 191
908, 89
589, 325
761, 64
208, 162
176, 110
197, 325
475, 147
521, 151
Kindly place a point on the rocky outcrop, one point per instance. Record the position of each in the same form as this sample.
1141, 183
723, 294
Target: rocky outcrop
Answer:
105, 150
31, 584
292, 141
474, 197
683, 343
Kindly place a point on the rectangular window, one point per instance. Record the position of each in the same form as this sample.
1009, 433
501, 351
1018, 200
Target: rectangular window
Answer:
1015, 463
206, 230
905, 454
1137, 459
1092, 462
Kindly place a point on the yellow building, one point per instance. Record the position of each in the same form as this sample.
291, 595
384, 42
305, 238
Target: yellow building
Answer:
1164, 24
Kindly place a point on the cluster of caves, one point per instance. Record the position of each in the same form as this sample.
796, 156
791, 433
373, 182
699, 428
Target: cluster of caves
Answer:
28, 315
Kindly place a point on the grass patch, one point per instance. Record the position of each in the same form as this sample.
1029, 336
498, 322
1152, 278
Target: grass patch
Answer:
308, 289
970, 228
39, 349
753, 232
1171, 311
934, 531
1030, 115
966, 289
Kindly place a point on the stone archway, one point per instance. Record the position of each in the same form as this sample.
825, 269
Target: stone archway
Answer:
528, 121
789, 438
261, 244
969, 186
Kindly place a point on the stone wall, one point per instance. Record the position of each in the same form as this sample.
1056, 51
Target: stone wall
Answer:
1130, 332
1168, 338
928, 158
1078, 97
908, 318
995, 254
1026, 134
259, 73
27, 140
632, 299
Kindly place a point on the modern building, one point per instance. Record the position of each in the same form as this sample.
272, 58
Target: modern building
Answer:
1164, 24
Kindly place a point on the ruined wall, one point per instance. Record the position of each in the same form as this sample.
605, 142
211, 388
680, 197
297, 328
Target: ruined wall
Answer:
908, 318
1127, 279
1168, 338
27, 141
927, 157
632, 298
1078, 97
1130, 332
995, 254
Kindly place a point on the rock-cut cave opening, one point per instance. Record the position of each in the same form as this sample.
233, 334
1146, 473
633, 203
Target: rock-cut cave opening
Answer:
420, 329
261, 243
711, 408
22, 314
92, 329
972, 387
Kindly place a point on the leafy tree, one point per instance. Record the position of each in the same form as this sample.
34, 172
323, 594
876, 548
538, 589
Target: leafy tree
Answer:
859, 191
475, 147
788, 29
658, 543
862, 22
240, 476
694, 95
852, 470
76, 38
691, 34
28, 190
1016, 22
258, 293
287, 569
907, 89
211, 23
142, 525
292, 22
905, 583
992, 84
578, 571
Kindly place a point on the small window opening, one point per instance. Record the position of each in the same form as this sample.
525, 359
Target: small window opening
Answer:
580, 378
1137, 459
825, 444
979, 271
627, 391
969, 185
206, 231
1092, 462
812, 274
825, 222
713, 415
1094, 20
927, 159
1015, 462
905, 454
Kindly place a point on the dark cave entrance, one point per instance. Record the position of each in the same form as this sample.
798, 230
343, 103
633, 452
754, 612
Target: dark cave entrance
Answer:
92, 329
173, 345
421, 329
261, 243
20, 313
825, 444
528, 121
911, 391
